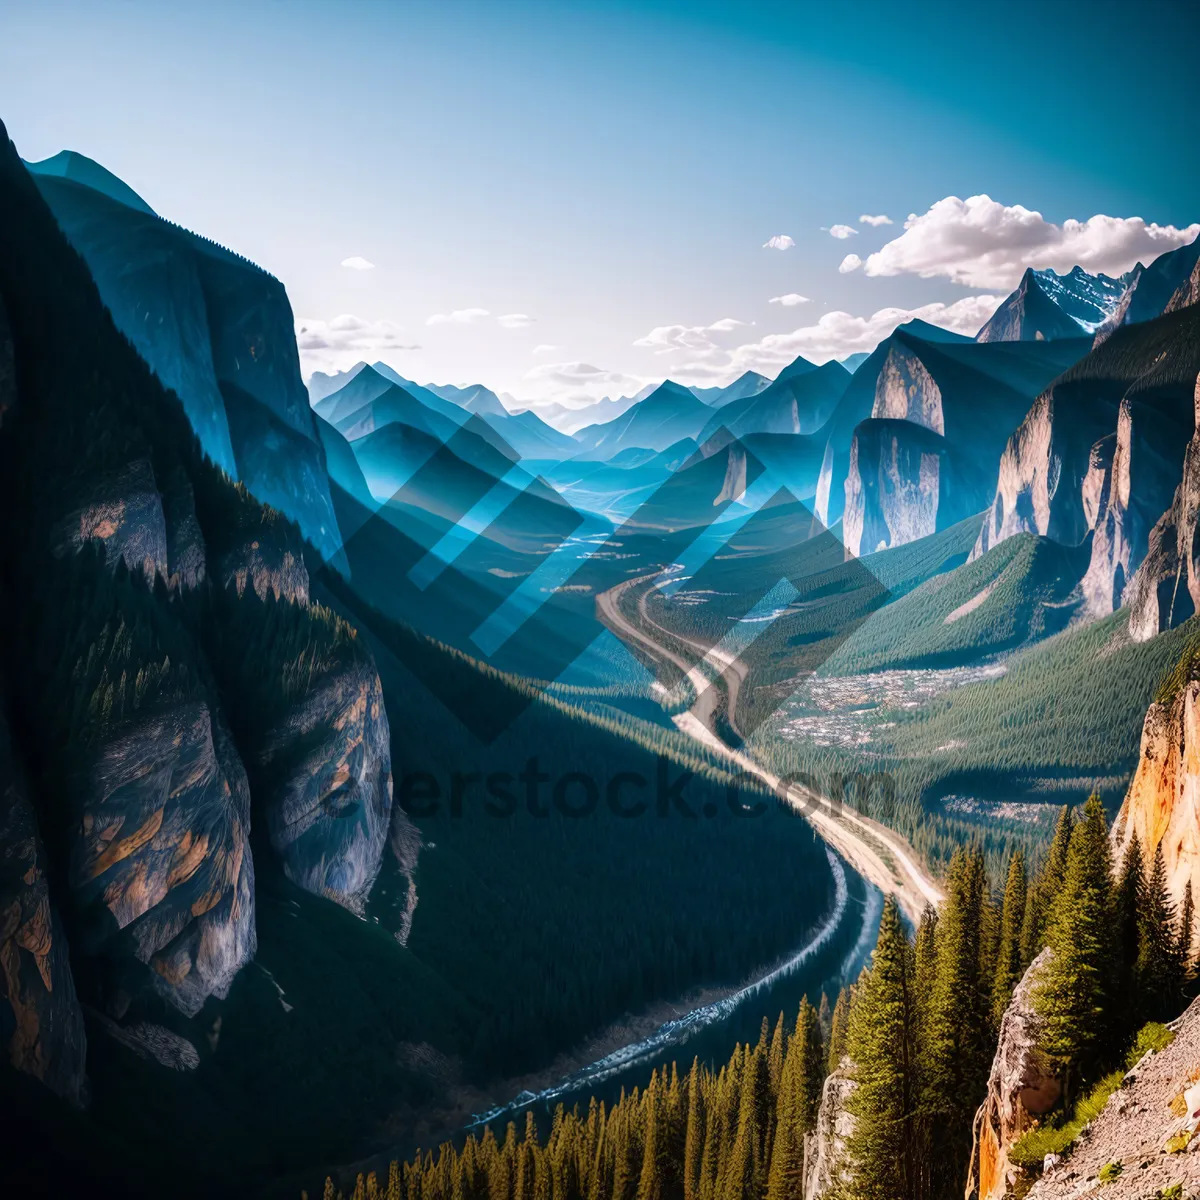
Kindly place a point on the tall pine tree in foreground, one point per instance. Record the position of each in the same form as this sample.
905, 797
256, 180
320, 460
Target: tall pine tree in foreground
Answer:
1159, 971
886, 1150
1008, 953
1075, 994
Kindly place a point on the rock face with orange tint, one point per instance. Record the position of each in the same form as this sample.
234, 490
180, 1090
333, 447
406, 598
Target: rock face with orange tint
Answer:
323, 776
123, 512
41, 1025
1162, 805
160, 875
1020, 1088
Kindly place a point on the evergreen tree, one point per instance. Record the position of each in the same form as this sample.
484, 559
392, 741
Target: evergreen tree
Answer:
1187, 918
1159, 972
886, 1149
957, 1042
1129, 899
1074, 996
1008, 952
693, 1146
837, 1030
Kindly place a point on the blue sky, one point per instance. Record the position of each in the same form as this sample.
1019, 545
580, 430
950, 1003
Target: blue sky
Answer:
611, 170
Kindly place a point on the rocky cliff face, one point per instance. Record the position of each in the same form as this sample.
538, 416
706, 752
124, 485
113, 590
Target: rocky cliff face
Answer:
1150, 291
1142, 1146
326, 785
41, 1025
157, 838
825, 1157
1187, 293
1020, 1089
1162, 805
267, 558
1102, 449
123, 512
1166, 587
894, 485
219, 332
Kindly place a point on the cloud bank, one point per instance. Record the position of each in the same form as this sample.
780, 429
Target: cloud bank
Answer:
789, 300
339, 343
979, 242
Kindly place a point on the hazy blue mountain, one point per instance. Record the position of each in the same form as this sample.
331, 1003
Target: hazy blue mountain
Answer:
321, 385
855, 361
475, 398
669, 413
749, 383
797, 403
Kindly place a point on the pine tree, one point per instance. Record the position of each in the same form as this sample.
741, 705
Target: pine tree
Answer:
1008, 952
1074, 995
1187, 918
1159, 973
957, 1043
837, 1030
886, 1146
797, 1102
1041, 896
693, 1145
1129, 899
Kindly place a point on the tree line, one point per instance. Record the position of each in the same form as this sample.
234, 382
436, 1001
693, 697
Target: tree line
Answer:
914, 1036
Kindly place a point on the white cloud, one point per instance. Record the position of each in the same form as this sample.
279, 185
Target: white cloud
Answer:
842, 232
980, 242
865, 219
850, 263
515, 321
356, 262
460, 316
340, 342
696, 338
780, 241
834, 336
545, 348
575, 384
790, 300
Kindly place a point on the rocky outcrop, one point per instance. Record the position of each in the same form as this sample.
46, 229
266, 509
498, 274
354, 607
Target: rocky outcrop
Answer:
1150, 291
906, 391
269, 558
1162, 805
1143, 1144
1029, 315
1055, 472
1166, 588
41, 1025
160, 873
1187, 293
893, 486
325, 784
1020, 1089
123, 512
826, 1165
1132, 494
219, 332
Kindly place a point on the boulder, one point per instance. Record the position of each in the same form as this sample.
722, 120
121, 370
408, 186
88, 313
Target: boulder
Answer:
159, 867
41, 1025
1021, 1087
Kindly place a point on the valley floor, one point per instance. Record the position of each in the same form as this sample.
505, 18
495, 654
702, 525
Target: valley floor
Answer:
878, 854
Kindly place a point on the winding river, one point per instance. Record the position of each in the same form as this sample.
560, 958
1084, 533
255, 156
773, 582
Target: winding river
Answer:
832, 955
